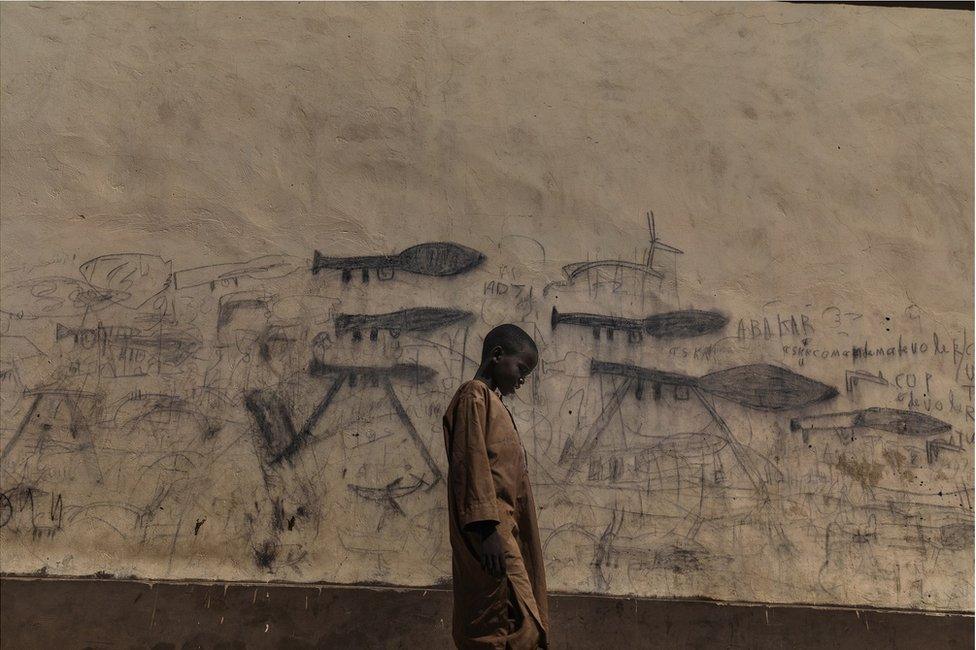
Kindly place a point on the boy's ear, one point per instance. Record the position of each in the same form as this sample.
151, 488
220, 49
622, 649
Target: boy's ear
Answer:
497, 352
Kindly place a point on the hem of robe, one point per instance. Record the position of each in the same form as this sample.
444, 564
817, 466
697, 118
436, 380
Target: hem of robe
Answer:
528, 602
529, 618
532, 609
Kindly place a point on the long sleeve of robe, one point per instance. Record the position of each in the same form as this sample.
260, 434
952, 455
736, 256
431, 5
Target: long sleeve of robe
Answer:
488, 481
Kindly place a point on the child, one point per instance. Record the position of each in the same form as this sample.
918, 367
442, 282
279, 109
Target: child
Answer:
500, 596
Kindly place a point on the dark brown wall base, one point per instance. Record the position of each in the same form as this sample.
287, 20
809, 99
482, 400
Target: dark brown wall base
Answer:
51, 613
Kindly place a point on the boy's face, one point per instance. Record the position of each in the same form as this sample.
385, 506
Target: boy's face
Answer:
510, 370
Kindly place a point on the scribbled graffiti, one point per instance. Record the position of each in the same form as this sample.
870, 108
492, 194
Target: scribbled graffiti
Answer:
274, 409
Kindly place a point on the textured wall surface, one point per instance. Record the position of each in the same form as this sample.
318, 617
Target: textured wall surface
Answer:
224, 358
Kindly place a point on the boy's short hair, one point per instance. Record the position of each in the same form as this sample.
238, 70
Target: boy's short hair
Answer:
512, 339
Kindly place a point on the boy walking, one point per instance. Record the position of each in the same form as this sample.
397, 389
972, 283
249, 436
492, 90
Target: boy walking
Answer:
500, 599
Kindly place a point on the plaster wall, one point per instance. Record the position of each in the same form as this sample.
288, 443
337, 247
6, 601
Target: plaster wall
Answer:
184, 392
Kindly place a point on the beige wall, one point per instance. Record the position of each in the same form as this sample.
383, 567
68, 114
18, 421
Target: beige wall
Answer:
814, 163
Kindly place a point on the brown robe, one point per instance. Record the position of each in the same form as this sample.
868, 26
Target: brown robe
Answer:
488, 480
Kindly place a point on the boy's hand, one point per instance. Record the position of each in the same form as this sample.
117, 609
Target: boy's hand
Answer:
490, 549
